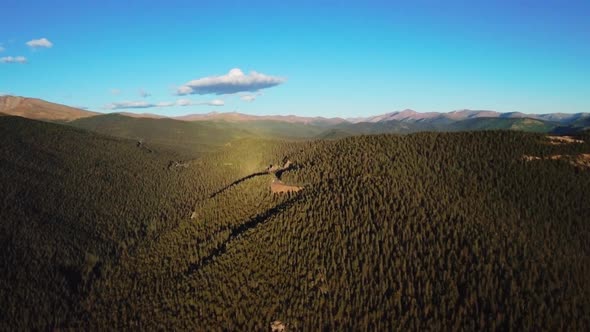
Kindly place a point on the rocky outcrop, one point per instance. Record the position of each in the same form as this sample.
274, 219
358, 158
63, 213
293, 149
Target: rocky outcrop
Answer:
277, 326
560, 140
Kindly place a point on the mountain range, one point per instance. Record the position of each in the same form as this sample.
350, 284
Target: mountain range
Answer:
406, 121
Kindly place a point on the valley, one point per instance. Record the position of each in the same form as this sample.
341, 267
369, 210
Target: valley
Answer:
390, 232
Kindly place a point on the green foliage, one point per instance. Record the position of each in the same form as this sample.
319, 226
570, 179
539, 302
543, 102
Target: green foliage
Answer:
274, 129
188, 138
433, 231
521, 124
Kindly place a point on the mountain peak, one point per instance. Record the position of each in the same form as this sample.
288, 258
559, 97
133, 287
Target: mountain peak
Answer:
39, 109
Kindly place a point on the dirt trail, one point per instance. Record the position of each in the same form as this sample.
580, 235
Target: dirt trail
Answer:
277, 186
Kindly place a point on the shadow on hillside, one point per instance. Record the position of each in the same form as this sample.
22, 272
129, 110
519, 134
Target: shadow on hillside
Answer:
239, 230
238, 181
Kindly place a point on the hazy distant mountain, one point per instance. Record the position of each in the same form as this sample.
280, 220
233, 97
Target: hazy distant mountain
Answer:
240, 117
143, 115
383, 127
564, 117
292, 126
503, 123
470, 114
405, 115
433, 117
406, 121
40, 109
460, 115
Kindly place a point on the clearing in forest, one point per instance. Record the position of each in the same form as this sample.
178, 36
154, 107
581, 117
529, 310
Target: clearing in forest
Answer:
278, 187
580, 160
559, 140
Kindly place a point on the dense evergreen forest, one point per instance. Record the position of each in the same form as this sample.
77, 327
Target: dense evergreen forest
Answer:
433, 231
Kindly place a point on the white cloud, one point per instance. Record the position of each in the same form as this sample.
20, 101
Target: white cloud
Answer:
183, 102
233, 82
129, 104
184, 90
248, 98
216, 102
13, 59
115, 91
2, 49
43, 42
162, 104
144, 104
143, 93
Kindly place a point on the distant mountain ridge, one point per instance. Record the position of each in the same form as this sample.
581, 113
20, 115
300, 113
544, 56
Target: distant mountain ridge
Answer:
241, 117
293, 126
413, 116
407, 115
44, 110
38, 109
409, 121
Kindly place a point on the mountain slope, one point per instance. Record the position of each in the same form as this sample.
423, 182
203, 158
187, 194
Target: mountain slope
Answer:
40, 110
382, 127
74, 203
185, 137
389, 233
278, 129
441, 118
517, 124
71, 200
578, 126
421, 231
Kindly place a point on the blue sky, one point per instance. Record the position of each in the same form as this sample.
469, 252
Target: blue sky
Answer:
328, 58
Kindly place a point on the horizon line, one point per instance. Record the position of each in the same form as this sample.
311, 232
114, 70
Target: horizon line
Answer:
131, 111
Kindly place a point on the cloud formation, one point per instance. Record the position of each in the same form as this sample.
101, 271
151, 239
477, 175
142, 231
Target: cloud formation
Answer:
143, 104
216, 102
13, 59
37, 43
233, 82
2, 49
248, 98
143, 93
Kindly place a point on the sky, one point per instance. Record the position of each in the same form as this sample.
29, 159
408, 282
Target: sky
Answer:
308, 58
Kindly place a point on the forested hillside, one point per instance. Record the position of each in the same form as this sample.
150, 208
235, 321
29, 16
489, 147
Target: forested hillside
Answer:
425, 231
189, 138
194, 137
72, 201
